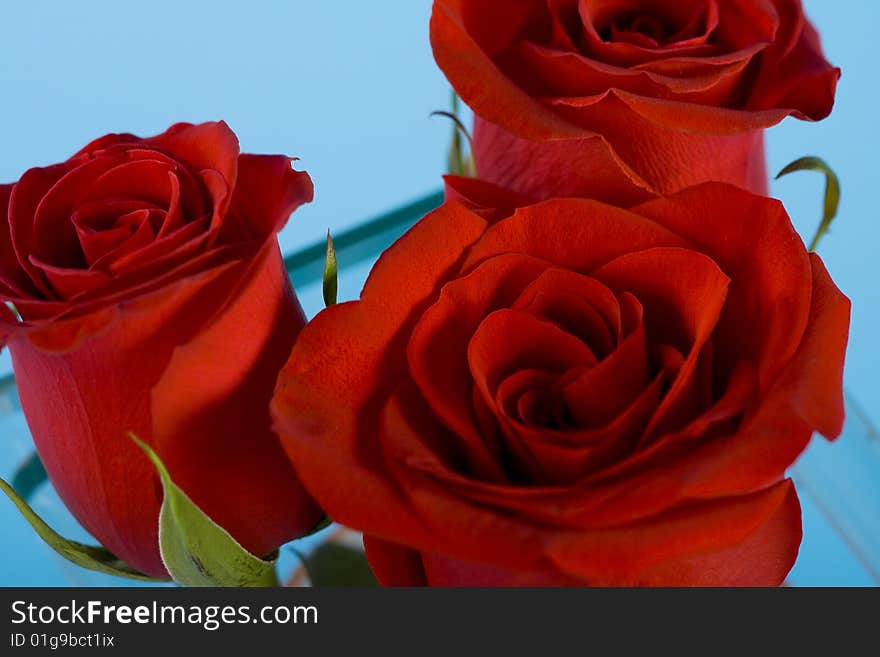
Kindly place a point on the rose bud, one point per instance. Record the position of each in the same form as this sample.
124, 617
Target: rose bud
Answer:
620, 100
571, 393
150, 297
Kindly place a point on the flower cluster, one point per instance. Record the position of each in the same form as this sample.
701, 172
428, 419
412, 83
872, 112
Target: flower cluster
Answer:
592, 365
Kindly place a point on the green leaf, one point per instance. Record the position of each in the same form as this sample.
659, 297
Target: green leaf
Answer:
458, 163
832, 191
196, 550
30, 476
335, 565
331, 271
86, 556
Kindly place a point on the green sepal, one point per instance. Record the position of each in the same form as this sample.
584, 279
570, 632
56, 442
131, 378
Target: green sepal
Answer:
832, 191
89, 557
331, 272
196, 550
458, 163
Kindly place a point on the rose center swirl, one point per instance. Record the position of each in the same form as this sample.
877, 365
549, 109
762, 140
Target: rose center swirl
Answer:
113, 214
569, 372
654, 25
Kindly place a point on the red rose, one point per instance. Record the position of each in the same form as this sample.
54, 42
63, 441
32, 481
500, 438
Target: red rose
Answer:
574, 394
153, 298
621, 100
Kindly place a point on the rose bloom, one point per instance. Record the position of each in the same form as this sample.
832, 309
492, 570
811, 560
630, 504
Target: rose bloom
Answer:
574, 394
149, 295
621, 100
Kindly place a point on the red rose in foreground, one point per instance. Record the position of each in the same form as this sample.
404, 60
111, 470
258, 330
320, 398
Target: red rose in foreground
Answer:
574, 394
621, 100
153, 299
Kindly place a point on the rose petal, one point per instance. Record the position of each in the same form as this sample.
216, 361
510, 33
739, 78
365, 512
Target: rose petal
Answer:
70, 283
393, 564
111, 141
814, 378
55, 239
751, 540
140, 235
701, 119
508, 341
12, 277
207, 146
95, 229
519, 395
327, 415
621, 555
60, 327
491, 202
592, 168
188, 197
185, 242
601, 393
100, 474
566, 24
546, 72
801, 79
441, 570
267, 192
755, 244
683, 294
477, 79
580, 305
556, 230
146, 180
437, 352
697, 21
26, 196
554, 457
669, 156
203, 404
416, 447
174, 216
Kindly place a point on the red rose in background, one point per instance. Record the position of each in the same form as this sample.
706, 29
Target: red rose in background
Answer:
574, 394
152, 297
621, 100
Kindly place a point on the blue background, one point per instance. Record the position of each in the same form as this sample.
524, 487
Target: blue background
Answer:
348, 86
